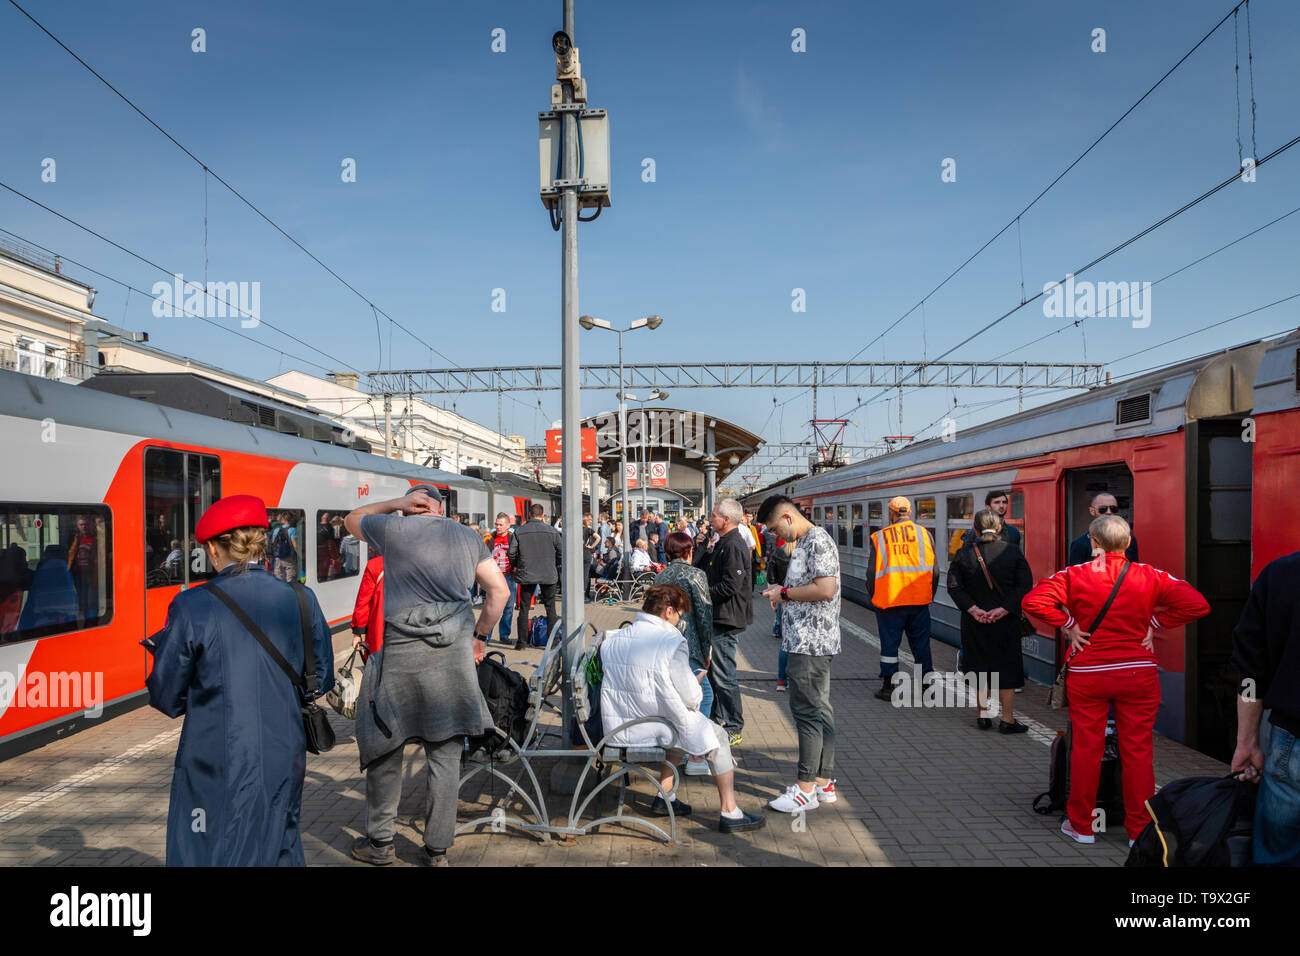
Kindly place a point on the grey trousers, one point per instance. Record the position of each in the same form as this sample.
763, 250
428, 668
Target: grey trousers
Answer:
384, 792
727, 707
809, 680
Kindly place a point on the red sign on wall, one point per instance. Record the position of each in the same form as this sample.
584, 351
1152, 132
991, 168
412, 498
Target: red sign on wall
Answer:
658, 474
555, 445
629, 474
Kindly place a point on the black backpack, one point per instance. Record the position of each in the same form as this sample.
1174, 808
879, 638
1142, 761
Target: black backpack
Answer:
1198, 821
506, 694
1110, 789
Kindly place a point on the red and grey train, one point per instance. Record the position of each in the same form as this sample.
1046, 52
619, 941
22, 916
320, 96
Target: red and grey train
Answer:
98, 505
1203, 457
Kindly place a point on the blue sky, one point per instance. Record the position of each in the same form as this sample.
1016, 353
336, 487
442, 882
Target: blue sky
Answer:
775, 170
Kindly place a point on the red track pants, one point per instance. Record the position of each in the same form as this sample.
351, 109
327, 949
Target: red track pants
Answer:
1135, 693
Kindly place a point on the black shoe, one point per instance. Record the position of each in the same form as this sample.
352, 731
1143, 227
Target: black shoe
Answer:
521, 645
886, 691
1015, 727
660, 809
983, 723
749, 821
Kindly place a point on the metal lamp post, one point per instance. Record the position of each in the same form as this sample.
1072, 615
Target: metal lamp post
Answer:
658, 395
650, 322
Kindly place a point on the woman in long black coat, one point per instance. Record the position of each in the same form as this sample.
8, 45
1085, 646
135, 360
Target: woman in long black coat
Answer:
990, 616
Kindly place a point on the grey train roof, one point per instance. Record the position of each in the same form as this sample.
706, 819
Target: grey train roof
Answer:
1219, 383
27, 396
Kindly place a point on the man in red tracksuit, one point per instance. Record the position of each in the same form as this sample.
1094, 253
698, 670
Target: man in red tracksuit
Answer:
1114, 666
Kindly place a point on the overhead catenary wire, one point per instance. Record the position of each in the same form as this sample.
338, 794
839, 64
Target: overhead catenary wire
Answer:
130, 288
169, 272
1096, 261
1181, 269
1093, 145
235, 192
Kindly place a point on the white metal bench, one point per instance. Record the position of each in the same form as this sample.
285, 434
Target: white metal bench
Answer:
625, 761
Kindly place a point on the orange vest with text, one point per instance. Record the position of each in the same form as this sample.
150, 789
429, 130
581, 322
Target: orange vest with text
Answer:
904, 565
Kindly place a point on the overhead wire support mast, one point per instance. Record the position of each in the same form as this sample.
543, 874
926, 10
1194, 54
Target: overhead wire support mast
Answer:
766, 375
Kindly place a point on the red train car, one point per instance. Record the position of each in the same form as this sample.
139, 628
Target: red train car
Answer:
1203, 459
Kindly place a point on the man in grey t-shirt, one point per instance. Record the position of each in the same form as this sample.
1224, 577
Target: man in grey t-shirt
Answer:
424, 685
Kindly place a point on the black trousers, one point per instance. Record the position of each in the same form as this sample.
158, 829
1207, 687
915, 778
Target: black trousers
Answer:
524, 602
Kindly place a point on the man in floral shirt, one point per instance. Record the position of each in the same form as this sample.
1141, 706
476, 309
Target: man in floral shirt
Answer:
809, 605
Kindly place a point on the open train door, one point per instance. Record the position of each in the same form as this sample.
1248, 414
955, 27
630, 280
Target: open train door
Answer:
1220, 472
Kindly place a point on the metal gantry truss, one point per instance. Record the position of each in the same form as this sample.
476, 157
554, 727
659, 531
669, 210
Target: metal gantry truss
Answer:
768, 375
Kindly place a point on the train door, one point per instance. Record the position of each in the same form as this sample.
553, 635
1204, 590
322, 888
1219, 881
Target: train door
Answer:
1084, 484
1219, 470
178, 487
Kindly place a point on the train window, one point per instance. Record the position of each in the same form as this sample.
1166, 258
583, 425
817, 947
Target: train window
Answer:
166, 533
961, 514
55, 569
924, 509
1016, 518
338, 554
178, 488
448, 501
284, 543
874, 511
857, 526
842, 512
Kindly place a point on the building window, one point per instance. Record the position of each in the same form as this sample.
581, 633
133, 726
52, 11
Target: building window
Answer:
338, 554
178, 488
56, 572
284, 543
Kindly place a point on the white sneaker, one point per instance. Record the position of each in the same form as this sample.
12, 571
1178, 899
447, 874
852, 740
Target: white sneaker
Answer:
1075, 835
795, 800
697, 768
827, 793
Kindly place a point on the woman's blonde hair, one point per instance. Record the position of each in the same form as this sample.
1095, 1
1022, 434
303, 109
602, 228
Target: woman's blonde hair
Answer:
243, 545
1110, 532
988, 524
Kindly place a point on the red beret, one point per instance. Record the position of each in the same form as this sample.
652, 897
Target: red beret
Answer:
233, 511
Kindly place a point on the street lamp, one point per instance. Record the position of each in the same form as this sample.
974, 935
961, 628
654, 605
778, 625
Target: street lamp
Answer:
658, 395
651, 322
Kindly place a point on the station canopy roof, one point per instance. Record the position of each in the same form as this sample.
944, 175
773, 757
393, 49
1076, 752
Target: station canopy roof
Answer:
687, 435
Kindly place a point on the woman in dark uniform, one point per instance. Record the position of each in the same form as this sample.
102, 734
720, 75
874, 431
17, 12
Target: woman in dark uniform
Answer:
990, 615
236, 791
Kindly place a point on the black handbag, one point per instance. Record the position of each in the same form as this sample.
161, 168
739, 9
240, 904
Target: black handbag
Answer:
315, 722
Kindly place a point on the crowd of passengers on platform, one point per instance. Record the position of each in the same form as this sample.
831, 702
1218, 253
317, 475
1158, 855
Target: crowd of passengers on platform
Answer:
677, 660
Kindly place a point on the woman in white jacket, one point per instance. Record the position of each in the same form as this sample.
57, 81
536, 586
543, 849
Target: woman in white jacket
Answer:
647, 673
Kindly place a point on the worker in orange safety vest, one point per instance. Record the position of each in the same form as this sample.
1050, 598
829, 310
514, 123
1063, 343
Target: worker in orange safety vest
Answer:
903, 579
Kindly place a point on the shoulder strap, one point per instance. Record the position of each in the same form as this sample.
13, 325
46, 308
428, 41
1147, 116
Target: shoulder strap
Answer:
1113, 591
308, 647
257, 633
993, 585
